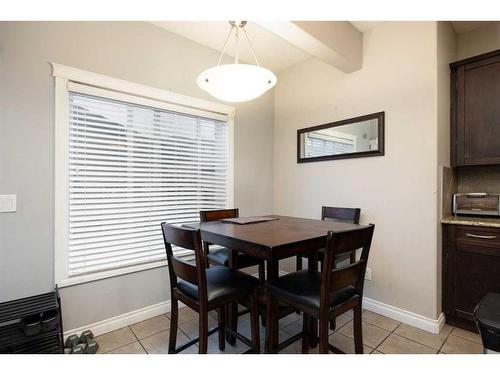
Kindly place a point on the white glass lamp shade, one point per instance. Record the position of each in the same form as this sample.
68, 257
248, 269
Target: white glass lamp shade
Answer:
236, 82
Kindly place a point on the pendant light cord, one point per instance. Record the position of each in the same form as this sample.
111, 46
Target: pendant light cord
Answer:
233, 25
236, 46
236, 43
250, 45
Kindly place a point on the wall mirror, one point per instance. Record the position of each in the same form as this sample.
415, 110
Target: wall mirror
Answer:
352, 138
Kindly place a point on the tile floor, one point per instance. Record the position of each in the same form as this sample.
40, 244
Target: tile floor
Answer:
381, 335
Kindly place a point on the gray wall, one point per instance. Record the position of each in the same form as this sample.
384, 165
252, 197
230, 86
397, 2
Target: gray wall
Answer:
135, 51
399, 76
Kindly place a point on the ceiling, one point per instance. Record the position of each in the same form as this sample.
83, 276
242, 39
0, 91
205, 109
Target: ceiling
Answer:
465, 26
272, 51
364, 25
460, 27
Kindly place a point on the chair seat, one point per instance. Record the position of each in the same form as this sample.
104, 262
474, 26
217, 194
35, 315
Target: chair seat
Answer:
222, 283
303, 287
221, 257
338, 258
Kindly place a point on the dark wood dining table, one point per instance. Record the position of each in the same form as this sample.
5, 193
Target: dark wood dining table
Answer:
273, 241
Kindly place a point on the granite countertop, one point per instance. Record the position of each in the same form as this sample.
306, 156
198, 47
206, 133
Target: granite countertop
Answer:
472, 220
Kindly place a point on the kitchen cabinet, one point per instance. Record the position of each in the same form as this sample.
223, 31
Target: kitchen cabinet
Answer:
475, 110
471, 268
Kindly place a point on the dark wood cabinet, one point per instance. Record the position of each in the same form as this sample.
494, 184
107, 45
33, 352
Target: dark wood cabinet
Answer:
475, 110
471, 268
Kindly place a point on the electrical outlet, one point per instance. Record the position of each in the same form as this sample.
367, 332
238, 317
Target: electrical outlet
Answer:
368, 273
7, 203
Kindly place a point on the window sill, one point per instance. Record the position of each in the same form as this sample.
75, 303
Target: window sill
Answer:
75, 280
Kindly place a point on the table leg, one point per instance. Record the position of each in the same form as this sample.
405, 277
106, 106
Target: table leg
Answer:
272, 276
232, 308
312, 264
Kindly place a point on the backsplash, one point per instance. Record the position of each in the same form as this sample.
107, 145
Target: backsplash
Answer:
478, 179
449, 187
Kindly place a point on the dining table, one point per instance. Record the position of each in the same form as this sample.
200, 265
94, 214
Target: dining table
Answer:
279, 238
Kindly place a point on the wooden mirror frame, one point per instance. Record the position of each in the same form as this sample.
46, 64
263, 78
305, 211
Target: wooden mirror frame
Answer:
380, 152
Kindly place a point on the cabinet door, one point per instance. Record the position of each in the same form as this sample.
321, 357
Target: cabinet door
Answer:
480, 89
476, 272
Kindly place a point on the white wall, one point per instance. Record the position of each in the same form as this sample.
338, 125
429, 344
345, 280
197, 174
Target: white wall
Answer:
134, 51
398, 191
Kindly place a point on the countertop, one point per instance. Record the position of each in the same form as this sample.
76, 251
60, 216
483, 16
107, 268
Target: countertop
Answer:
472, 220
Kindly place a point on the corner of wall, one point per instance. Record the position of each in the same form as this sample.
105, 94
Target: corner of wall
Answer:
446, 52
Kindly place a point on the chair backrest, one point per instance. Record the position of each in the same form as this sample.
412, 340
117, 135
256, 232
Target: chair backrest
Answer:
214, 215
346, 214
178, 268
352, 274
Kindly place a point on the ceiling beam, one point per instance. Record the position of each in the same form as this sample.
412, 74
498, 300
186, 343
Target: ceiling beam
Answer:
337, 43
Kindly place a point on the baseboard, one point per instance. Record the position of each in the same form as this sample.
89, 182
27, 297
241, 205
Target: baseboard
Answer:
120, 321
404, 316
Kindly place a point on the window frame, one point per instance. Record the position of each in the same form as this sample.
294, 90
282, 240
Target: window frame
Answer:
66, 78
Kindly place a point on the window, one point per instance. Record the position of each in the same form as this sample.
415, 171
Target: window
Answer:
132, 163
320, 145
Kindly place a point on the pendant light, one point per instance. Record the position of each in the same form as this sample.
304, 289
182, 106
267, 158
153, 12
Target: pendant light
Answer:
236, 82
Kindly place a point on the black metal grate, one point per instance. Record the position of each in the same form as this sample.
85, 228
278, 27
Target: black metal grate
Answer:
12, 337
19, 308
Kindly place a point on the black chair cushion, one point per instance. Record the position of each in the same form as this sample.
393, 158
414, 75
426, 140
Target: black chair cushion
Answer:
304, 287
222, 282
221, 257
339, 258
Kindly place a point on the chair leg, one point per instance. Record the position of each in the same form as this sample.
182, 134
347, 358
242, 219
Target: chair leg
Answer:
353, 257
333, 324
323, 334
174, 317
358, 330
270, 323
298, 267
313, 336
306, 326
299, 263
232, 315
254, 321
221, 315
232, 308
203, 331
262, 272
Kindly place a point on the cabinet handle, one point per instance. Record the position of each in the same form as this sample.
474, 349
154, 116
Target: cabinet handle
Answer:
479, 236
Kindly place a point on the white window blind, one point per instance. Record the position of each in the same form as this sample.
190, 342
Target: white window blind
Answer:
132, 167
321, 146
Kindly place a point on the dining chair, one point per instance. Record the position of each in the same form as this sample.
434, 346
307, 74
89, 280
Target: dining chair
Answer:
342, 214
326, 295
221, 256
206, 289
339, 214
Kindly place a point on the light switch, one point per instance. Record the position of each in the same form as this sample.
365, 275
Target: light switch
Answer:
7, 203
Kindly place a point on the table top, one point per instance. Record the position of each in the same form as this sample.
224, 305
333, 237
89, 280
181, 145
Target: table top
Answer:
272, 234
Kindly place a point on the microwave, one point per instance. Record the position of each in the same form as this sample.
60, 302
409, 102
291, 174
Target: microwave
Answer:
478, 204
